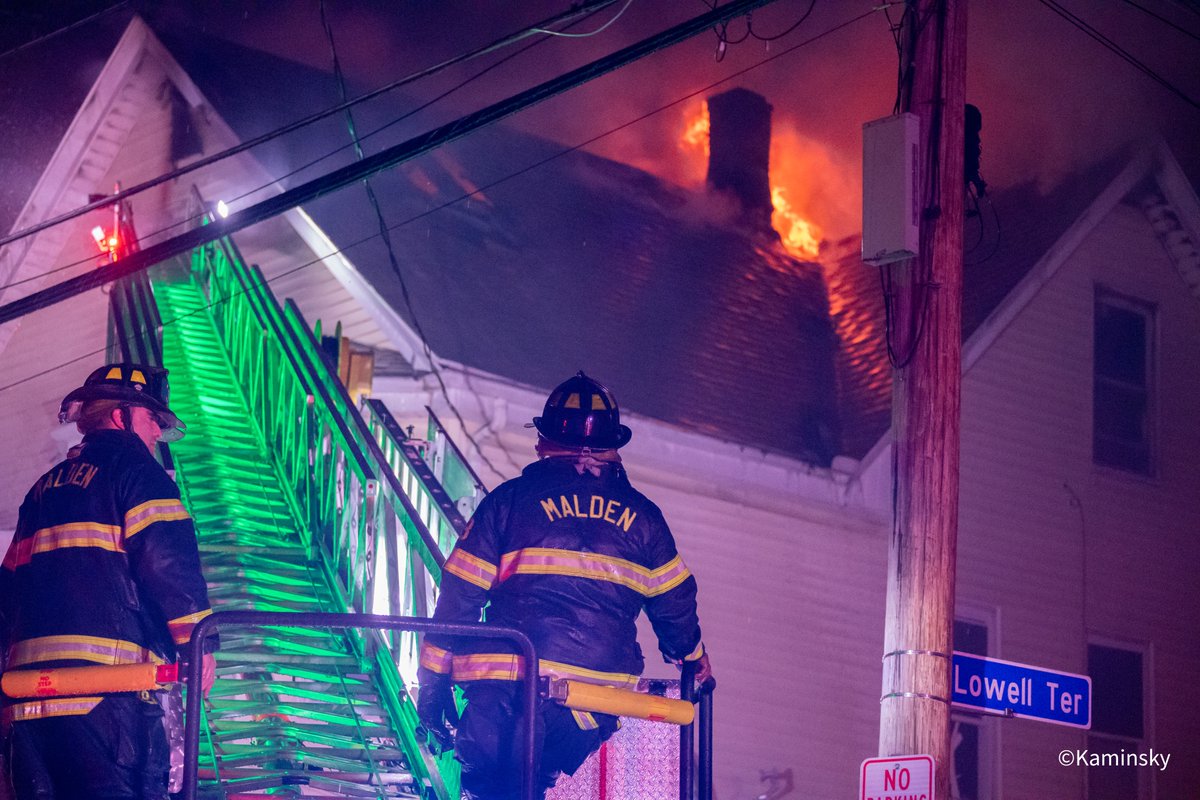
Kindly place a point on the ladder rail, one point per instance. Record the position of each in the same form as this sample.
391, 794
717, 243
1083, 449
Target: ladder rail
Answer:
349, 499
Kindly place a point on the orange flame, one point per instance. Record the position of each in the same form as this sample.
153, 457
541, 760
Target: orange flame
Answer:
800, 236
695, 135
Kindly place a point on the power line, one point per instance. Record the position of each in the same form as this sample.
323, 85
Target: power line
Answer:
342, 250
385, 235
1163, 20
504, 41
378, 162
1115, 48
345, 106
64, 29
276, 179
775, 37
601, 29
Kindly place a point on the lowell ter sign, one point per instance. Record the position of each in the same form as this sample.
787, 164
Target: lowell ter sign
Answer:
1019, 690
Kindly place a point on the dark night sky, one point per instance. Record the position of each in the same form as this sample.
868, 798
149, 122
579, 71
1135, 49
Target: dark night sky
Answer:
1053, 100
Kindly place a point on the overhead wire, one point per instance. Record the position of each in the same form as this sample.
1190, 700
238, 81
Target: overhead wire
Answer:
1163, 20
179, 172
601, 29
572, 18
393, 262
64, 29
922, 284
259, 140
284, 176
722, 31
776, 37
1119, 51
996, 219
341, 250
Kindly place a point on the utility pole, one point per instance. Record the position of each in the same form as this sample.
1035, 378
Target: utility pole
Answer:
926, 381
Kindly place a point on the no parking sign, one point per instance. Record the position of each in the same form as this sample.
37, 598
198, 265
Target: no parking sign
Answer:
899, 778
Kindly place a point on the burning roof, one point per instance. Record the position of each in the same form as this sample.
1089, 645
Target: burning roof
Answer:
581, 261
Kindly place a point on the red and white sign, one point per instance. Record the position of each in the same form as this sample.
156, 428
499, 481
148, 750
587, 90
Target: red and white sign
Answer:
899, 778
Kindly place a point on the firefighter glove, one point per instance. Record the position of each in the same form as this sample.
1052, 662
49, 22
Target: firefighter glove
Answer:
436, 708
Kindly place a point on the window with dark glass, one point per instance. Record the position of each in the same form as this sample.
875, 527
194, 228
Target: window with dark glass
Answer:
1123, 372
1118, 719
1116, 675
965, 735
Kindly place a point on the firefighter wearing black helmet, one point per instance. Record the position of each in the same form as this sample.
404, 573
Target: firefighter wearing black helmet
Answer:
569, 553
103, 569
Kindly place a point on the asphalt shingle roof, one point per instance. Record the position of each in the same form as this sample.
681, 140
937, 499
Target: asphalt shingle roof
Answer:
580, 262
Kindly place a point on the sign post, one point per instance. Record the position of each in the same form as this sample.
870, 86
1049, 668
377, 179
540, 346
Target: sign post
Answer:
899, 778
1019, 690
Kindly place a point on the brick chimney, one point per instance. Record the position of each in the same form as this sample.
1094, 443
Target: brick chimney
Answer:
739, 153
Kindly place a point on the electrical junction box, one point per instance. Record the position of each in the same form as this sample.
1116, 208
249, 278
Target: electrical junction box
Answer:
891, 193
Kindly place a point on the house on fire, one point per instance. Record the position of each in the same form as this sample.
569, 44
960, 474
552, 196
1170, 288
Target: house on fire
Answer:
757, 385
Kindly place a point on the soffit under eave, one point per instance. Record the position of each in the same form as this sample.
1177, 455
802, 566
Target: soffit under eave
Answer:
81, 160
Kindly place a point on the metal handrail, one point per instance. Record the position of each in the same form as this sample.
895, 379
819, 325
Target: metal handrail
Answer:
195, 651
687, 751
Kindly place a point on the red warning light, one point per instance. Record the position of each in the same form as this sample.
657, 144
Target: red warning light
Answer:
106, 243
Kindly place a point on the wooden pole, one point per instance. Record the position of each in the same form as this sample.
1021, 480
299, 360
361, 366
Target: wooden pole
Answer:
927, 349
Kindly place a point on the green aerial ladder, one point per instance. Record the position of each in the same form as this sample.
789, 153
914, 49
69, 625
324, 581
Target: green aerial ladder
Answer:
302, 503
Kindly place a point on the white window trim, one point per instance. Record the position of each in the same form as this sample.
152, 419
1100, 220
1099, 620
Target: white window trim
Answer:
1149, 310
990, 775
1147, 779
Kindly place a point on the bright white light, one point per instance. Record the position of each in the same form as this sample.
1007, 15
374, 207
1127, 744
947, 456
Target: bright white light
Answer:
222, 209
98, 234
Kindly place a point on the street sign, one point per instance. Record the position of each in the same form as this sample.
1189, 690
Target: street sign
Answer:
1019, 690
899, 778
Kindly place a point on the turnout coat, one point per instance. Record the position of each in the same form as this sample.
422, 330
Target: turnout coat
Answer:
103, 568
570, 556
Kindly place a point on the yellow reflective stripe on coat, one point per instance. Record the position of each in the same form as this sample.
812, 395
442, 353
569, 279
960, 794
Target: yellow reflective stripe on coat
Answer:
181, 627
50, 707
585, 720
471, 569
696, 654
146, 514
95, 649
509, 667
57, 537
435, 659
667, 577
594, 566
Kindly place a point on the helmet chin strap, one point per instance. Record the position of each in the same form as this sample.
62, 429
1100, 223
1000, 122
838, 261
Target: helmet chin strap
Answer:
126, 417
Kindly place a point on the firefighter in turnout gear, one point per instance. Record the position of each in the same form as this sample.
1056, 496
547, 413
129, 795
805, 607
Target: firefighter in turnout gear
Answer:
103, 569
569, 553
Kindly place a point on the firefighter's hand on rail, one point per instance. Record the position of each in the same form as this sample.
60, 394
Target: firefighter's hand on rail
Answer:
208, 673
703, 670
436, 708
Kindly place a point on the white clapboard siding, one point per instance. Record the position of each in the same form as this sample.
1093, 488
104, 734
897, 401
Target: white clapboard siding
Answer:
52, 350
1044, 531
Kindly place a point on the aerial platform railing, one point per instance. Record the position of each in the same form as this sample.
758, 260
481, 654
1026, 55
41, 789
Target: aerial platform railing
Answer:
529, 683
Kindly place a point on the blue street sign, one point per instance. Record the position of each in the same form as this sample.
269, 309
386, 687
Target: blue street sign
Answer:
1019, 690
